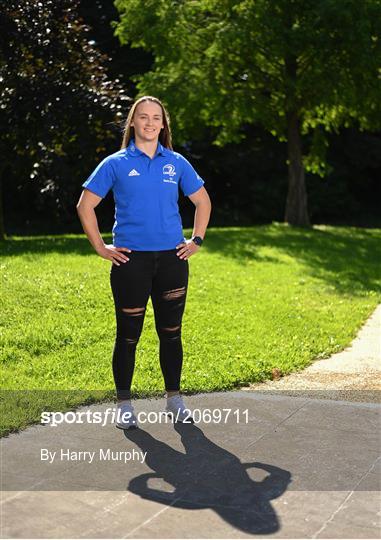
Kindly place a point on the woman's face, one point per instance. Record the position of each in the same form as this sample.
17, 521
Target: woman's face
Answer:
147, 121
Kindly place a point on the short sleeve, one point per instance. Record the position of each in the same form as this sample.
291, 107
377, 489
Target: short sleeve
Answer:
190, 181
101, 180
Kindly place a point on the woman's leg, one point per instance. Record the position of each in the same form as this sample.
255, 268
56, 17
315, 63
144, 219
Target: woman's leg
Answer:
131, 286
169, 289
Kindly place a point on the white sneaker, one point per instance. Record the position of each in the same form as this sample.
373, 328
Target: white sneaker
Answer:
126, 418
175, 407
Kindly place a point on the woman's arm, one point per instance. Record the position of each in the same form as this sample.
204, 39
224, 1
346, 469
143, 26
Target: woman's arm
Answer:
203, 206
85, 208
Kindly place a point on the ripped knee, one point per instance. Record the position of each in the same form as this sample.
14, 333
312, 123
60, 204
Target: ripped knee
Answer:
134, 312
171, 332
172, 329
173, 294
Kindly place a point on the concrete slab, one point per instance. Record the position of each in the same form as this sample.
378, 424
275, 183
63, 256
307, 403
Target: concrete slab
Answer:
296, 468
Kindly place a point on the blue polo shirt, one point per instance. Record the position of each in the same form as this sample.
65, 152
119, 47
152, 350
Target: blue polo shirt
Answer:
146, 193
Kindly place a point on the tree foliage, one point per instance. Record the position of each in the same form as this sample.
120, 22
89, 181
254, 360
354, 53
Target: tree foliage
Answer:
296, 67
57, 104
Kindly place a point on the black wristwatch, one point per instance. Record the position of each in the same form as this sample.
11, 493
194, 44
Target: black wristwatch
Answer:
197, 240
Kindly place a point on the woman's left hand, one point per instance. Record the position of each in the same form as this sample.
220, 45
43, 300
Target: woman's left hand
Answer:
187, 249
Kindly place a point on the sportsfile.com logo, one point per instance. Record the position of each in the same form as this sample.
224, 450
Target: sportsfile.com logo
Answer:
110, 415
114, 414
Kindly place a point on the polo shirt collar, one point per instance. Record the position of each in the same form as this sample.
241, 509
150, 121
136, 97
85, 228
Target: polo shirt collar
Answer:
160, 149
134, 151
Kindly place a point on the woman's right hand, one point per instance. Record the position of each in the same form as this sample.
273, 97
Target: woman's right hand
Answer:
113, 254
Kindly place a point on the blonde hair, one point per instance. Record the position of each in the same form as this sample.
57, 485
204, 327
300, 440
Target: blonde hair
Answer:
165, 137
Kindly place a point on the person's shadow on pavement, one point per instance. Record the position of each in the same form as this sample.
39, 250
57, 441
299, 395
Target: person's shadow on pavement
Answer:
208, 476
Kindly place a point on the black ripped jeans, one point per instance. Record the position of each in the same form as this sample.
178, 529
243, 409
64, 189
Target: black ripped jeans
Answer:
163, 276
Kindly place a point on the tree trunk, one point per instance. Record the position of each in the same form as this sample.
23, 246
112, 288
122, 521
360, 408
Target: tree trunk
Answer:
296, 205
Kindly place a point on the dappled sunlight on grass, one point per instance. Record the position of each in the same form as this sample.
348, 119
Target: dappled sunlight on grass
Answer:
346, 258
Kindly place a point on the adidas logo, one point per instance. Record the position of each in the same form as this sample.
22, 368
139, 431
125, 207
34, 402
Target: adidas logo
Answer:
134, 172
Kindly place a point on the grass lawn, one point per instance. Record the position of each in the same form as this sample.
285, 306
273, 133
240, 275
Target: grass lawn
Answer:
259, 297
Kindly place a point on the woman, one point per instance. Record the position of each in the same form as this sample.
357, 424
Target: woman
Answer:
149, 253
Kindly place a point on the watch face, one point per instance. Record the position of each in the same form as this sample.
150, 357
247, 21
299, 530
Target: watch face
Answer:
197, 240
